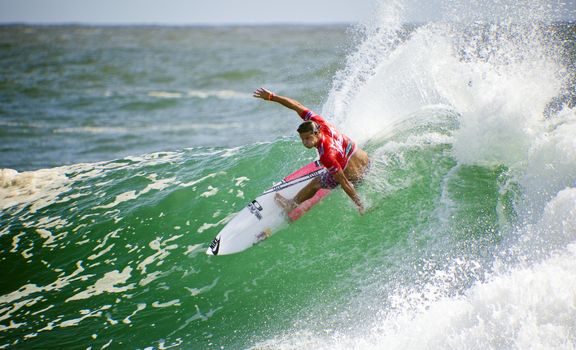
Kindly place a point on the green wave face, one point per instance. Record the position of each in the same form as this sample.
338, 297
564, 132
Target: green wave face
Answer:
115, 250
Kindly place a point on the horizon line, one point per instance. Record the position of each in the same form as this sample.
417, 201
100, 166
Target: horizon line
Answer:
176, 24
218, 24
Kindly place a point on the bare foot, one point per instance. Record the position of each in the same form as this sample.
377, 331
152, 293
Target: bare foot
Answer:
287, 204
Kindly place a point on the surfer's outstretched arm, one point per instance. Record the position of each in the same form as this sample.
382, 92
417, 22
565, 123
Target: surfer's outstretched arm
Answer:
284, 101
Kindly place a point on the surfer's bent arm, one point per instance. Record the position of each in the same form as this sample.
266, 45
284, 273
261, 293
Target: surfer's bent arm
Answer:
284, 101
349, 189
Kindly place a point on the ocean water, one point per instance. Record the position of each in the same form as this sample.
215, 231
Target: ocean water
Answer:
124, 151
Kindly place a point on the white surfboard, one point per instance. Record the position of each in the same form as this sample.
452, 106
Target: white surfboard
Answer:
263, 216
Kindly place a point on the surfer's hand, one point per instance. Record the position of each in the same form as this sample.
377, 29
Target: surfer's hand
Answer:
263, 94
361, 210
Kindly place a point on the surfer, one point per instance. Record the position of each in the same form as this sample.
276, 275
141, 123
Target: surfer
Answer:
345, 161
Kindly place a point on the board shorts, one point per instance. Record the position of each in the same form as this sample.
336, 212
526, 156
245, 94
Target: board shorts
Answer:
328, 181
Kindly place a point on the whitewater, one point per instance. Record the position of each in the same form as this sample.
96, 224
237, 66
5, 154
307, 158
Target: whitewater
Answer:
468, 242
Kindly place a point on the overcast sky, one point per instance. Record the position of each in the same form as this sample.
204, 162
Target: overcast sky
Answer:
184, 11
178, 12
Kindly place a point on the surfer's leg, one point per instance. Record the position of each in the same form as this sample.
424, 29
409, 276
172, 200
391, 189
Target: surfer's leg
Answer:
306, 193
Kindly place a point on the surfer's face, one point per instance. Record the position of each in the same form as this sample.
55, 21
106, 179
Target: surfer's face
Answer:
309, 139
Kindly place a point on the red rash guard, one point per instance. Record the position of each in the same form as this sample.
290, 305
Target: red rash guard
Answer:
335, 149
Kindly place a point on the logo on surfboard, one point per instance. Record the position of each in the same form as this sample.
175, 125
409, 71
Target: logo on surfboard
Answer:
263, 235
255, 208
215, 246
